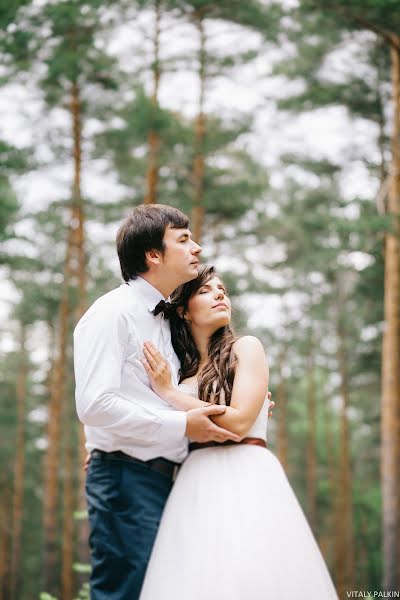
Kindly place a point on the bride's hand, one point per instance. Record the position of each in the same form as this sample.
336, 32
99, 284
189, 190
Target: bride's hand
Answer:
157, 369
270, 405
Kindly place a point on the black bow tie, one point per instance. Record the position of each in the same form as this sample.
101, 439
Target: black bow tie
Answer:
167, 309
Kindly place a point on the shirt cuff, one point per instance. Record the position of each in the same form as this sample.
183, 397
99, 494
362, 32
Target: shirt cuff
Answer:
173, 426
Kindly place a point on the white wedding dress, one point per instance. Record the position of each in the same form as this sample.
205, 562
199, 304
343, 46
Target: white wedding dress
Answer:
232, 529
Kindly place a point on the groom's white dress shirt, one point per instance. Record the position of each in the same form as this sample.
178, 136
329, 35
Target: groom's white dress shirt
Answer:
114, 399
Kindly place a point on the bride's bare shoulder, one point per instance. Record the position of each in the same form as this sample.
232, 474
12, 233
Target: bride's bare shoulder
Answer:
248, 344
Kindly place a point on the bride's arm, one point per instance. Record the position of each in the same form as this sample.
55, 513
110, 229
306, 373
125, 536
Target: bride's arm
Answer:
250, 385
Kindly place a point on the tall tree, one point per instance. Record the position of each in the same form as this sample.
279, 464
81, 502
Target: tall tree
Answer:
208, 66
311, 461
73, 65
382, 19
19, 466
344, 551
153, 136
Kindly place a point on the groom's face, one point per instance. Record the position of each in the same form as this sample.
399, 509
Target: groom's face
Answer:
181, 256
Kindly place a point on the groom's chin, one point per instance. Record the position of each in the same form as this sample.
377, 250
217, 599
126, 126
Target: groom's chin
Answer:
195, 273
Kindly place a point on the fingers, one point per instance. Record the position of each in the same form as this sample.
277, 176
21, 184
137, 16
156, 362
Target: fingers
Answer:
151, 346
86, 463
214, 409
153, 357
269, 395
270, 407
147, 367
153, 351
150, 359
219, 434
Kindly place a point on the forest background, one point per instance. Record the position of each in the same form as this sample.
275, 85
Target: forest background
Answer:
275, 126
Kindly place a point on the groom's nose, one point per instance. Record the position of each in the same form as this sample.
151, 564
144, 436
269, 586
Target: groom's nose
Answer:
196, 248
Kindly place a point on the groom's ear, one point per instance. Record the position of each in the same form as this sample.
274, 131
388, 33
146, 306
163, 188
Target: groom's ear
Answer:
153, 257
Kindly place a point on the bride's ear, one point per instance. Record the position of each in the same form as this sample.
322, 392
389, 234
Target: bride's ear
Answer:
181, 314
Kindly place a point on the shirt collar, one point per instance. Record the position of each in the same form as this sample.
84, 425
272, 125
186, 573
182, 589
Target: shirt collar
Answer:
150, 295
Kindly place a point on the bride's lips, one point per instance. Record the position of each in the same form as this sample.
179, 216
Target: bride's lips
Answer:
220, 304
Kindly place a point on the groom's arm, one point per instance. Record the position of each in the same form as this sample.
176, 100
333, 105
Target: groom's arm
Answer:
100, 342
99, 353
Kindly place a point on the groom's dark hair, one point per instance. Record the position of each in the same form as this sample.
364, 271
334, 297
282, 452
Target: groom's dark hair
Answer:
143, 230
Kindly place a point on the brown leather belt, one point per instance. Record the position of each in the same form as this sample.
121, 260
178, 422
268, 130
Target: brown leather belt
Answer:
248, 440
161, 465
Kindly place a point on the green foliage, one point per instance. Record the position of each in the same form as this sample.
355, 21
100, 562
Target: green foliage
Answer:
80, 568
306, 244
12, 161
84, 592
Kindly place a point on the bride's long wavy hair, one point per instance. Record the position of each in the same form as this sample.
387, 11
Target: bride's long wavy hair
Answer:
216, 377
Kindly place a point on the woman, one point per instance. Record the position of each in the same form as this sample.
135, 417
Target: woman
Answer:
232, 527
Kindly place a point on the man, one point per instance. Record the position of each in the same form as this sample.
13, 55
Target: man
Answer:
135, 438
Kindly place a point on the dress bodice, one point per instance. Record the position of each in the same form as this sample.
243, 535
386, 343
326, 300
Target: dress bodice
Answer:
259, 427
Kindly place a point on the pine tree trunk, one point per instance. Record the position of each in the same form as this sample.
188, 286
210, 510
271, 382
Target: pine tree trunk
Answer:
79, 272
67, 580
332, 479
200, 130
311, 446
330, 448
390, 451
345, 555
19, 471
154, 138
78, 215
5, 537
282, 405
52, 463
74, 275
82, 537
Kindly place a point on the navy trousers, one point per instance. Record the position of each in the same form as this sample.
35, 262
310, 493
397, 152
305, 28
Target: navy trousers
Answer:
125, 503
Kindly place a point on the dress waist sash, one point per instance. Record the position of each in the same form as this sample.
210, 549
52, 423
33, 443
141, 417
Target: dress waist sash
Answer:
247, 440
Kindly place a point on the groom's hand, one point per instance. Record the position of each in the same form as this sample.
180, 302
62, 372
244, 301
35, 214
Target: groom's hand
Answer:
200, 428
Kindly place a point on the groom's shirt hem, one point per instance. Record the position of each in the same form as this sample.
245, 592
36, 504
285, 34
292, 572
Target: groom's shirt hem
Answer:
171, 430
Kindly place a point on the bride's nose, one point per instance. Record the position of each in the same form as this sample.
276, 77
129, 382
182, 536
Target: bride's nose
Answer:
219, 294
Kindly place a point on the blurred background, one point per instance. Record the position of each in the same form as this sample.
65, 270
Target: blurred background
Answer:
276, 127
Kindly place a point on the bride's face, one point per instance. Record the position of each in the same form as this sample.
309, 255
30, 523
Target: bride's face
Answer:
209, 308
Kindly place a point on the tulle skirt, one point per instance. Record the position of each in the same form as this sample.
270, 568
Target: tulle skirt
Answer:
233, 529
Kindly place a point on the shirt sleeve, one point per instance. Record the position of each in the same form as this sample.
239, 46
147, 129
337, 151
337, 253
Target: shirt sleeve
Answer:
100, 341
